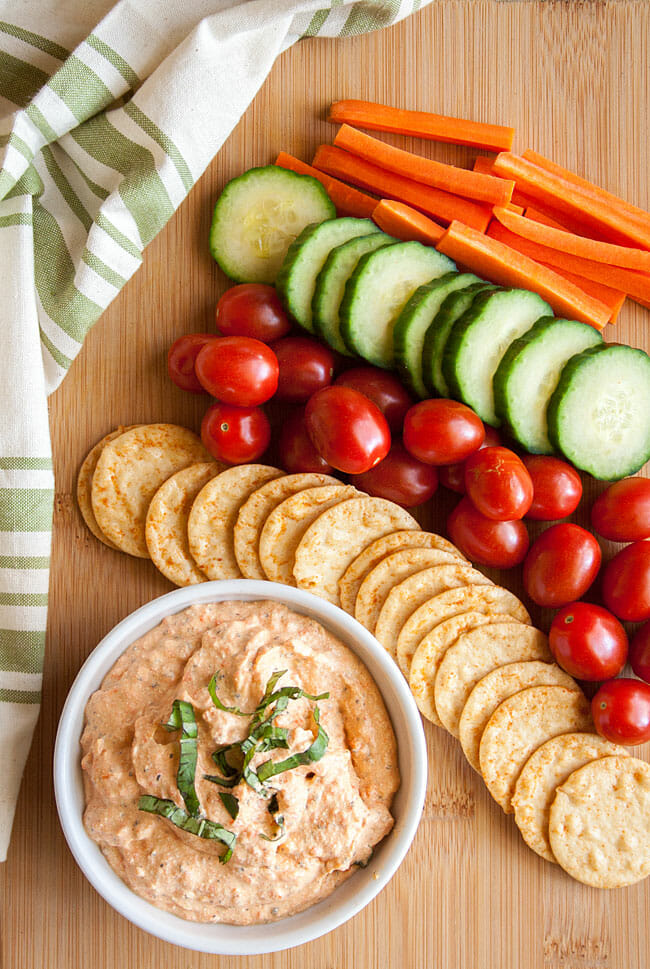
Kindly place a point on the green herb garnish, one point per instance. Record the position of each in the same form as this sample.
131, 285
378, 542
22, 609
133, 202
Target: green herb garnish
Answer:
231, 804
313, 753
182, 718
200, 827
278, 819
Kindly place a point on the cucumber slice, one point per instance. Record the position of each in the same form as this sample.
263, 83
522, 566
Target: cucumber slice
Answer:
528, 374
330, 285
378, 290
257, 217
479, 339
305, 258
436, 336
599, 413
413, 322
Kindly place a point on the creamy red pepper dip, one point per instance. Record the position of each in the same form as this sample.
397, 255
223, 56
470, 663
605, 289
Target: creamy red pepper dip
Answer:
335, 810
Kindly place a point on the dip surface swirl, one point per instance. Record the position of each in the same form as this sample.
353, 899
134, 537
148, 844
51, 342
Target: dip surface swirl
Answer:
335, 810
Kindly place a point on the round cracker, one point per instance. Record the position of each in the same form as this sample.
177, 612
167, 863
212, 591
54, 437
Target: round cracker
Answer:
476, 653
337, 536
256, 509
392, 570
599, 823
356, 572
493, 689
409, 595
214, 513
520, 725
166, 525
486, 599
85, 481
286, 525
129, 472
428, 656
544, 771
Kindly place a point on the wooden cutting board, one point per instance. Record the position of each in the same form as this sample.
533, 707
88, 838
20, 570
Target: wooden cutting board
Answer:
573, 78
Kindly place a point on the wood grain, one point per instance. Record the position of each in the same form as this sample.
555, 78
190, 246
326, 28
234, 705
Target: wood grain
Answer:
573, 78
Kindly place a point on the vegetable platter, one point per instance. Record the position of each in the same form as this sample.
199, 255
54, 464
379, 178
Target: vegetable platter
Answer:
470, 893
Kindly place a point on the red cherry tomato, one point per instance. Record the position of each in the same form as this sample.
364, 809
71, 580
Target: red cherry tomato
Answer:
400, 478
252, 309
622, 512
383, 389
347, 429
182, 358
238, 370
497, 482
626, 583
640, 652
442, 431
296, 452
588, 642
235, 434
557, 488
621, 711
561, 565
452, 476
305, 367
485, 541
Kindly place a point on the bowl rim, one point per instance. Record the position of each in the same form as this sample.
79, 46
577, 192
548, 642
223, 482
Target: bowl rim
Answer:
314, 921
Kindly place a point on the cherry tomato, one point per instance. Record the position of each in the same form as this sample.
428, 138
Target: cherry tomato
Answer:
626, 583
621, 711
296, 452
557, 488
452, 476
483, 540
383, 389
305, 367
252, 309
400, 478
347, 429
182, 357
561, 565
622, 512
497, 482
235, 434
238, 370
640, 652
588, 641
442, 431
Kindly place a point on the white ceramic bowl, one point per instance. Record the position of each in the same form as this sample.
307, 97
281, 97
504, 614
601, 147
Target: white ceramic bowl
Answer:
346, 900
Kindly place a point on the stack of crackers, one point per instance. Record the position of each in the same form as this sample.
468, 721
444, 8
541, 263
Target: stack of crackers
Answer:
475, 664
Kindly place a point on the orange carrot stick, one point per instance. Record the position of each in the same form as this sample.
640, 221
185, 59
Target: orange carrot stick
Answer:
499, 263
561, 195
432, 201
406, 223
483, 164
458, 181
576, 245
517, 209
612, 298
422, 124
348, 200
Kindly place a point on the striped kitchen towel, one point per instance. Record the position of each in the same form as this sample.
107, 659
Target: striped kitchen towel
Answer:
108, 115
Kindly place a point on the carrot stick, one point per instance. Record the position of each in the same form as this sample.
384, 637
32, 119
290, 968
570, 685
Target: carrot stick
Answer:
559, 194
432, 201
517, 209
576, 245
422, 124
636, 285
499, 263
406, 223
348, 201
612, 298
483, 164
458, 181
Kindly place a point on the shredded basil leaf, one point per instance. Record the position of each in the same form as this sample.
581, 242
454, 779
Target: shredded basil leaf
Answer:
231, 804
310, 755
182, 718
200, 827
212, 690
278, 819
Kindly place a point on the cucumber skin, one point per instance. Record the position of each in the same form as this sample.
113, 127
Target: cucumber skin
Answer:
230, 186
429, 348
500, 379
555, 404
